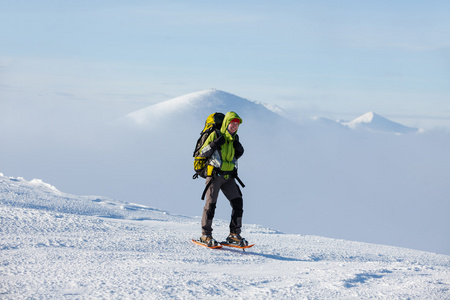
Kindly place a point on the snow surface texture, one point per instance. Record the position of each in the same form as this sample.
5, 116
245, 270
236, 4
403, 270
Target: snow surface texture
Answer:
316, 177
61, 246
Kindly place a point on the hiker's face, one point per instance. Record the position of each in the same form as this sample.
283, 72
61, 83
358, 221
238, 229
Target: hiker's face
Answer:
233, 127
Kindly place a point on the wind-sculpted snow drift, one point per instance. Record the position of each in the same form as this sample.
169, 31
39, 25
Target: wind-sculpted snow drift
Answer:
57, 245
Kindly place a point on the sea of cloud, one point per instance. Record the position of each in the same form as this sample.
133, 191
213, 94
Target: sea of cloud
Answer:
311, 178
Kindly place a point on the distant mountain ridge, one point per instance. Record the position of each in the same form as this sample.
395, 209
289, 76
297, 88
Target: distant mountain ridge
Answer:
195, 107
374, 122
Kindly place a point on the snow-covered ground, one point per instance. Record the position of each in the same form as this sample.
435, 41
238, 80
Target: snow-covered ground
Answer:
61, 246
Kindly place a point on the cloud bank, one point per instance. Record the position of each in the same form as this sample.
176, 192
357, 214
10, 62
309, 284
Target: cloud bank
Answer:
316, 177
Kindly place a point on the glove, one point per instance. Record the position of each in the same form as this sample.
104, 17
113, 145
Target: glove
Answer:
217, 142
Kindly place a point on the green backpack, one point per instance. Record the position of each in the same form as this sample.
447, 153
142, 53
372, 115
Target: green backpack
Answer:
212, 123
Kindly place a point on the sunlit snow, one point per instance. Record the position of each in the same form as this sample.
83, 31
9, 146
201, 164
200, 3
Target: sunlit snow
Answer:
56, 245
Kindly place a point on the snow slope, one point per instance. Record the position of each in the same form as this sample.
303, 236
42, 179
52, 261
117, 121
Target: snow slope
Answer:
60, 246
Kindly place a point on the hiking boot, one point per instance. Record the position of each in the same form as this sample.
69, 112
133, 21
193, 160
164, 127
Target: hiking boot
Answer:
208, 240
236, 239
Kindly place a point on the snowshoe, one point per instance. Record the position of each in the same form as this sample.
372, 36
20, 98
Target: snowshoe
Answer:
219, 246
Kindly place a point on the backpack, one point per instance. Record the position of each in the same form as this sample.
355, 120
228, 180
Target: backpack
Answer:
212, 123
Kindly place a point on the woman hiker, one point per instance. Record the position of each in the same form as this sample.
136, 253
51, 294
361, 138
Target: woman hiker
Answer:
223, 150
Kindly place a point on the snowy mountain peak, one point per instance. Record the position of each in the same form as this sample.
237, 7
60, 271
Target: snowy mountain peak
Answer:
374, 122
199, 105
368, 117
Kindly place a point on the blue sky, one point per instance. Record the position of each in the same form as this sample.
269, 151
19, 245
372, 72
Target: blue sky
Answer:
312, 58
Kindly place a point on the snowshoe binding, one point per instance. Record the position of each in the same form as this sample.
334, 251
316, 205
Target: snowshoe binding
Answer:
236, 239
208, 241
